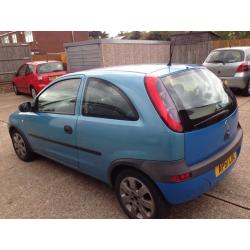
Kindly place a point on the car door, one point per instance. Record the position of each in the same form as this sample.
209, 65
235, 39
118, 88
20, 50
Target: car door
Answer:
52, 127
20, 78
29, 78
108, 119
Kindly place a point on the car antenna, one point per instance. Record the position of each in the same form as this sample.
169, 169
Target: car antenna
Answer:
172, 44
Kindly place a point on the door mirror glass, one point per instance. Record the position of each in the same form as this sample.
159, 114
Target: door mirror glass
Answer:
26, 107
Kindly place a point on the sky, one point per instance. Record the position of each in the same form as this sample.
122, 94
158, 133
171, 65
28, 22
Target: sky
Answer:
112, 33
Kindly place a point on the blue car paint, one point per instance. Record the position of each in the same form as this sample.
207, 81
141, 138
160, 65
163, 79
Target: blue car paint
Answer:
203, 143
148, 137
190, 189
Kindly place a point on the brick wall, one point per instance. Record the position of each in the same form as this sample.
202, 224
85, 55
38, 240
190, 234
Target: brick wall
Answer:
53, 41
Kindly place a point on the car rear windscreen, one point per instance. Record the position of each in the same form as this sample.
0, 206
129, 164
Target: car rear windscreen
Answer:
50, 67
199, 96
225, 56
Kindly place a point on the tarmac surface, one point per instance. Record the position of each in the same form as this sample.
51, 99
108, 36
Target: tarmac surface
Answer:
45, 189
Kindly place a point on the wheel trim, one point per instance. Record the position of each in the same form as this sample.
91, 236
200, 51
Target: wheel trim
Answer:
248, 89
19, 145
136, 198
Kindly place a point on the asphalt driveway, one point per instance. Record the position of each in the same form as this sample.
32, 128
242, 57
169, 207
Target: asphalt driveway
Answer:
45, 189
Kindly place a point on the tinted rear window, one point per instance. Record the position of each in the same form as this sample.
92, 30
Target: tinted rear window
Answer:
198, 95
225, 56
50, 67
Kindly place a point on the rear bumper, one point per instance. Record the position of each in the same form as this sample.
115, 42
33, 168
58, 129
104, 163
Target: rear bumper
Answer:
203, 175
236, 82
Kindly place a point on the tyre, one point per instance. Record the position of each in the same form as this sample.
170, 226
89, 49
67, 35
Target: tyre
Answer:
246, 90
33, 92
21, 146
15, 90
139, 197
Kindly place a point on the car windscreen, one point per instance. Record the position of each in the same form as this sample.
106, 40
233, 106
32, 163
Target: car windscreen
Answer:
225, 56
50, 67
199, 96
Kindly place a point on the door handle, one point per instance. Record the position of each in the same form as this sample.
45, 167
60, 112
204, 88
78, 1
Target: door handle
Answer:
68, 129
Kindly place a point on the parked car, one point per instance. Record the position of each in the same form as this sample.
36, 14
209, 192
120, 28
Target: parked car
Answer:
32, 77
158, 134
232, 66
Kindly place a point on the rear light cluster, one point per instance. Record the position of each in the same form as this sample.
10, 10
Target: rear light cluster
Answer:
181, 177
244, 67
163, 103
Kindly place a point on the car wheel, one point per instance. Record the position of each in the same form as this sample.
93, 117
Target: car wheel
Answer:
33, 92
246, 90
21, 146
139, 197
15, 89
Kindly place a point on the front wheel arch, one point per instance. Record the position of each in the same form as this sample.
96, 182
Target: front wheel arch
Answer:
30, 153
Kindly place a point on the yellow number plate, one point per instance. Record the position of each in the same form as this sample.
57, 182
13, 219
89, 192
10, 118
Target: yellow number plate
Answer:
222, 167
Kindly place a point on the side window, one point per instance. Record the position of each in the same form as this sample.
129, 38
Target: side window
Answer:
248, 55
30, 69
60, 98
103, 99
22, 70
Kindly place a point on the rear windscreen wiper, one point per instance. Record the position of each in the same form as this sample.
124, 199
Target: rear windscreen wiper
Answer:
217, 61
222, 112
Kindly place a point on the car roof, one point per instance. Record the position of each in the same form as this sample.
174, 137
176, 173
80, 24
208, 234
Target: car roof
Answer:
235, 48
41, 62
138, 69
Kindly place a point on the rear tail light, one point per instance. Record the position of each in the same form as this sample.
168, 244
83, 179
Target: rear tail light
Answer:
163, 103
181, 177
244, 67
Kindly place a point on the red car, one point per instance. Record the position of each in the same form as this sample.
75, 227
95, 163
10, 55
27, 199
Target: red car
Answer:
32, 77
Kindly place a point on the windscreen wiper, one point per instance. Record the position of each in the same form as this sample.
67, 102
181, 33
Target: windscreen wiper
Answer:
217, 61
222, 112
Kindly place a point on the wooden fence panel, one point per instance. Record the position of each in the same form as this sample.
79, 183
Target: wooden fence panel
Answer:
191, 53
226, 43
12, 56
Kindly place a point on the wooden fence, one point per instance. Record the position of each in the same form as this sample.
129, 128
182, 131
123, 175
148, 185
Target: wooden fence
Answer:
191, 53
196, 53
12, 56
227, 43
50, 56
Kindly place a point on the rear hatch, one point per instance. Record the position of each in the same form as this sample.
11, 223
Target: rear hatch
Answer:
207, 110
50, 71
224, 63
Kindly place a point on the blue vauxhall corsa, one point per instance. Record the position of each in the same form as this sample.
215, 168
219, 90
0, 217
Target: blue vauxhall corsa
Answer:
158, 134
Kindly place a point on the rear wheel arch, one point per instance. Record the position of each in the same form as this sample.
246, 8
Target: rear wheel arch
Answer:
31, 86
121, 172
121, 165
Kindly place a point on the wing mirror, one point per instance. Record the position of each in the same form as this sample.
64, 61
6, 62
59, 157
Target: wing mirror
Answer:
26, 107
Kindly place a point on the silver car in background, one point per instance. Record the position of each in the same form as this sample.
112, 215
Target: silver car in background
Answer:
232, 66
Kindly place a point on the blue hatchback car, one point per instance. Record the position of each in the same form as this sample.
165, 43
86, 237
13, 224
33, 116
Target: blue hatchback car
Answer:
158, 134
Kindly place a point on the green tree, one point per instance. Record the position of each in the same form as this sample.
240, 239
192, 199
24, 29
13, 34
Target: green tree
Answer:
98, 34
229, 35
